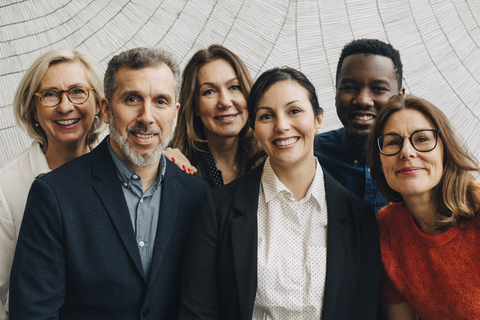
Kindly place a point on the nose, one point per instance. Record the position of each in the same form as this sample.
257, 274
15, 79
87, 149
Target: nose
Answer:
282, 123
407, 151
65, 105
364, 98
224, 101
145, 116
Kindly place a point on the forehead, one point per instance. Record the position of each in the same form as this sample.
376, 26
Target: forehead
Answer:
219, 68
365, 68
151, 80
65, 73
283, 92
407, 121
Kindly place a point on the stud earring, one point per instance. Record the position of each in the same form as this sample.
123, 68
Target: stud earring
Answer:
36, 124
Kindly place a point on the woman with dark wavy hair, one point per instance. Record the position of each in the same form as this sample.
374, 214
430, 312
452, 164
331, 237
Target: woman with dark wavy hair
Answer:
213, 131
286, 240
430, 232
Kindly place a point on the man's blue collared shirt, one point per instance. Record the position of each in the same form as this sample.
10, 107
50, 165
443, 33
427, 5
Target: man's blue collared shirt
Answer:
348, 165
144, 207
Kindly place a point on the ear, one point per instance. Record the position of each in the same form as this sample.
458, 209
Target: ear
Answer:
318, 122
178, 106
402, 92
105, 108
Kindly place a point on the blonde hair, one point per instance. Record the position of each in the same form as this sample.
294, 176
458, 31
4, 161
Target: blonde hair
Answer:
189, 132
456, 195
24, 104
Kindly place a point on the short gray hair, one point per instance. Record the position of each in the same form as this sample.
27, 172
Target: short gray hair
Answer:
139, 58
24, 102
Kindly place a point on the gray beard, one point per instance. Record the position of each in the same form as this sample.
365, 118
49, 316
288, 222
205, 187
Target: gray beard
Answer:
136, 159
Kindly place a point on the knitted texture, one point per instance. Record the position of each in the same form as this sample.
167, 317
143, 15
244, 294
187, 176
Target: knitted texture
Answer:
437, 276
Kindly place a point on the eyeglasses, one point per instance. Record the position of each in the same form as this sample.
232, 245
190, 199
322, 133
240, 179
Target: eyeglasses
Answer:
53, 97
390, 144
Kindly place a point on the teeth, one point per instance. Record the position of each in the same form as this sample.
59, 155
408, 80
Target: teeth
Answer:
225, 118
66, 122
143, 136
285, 142
364, 118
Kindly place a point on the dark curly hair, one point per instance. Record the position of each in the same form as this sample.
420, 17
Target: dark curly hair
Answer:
376, 47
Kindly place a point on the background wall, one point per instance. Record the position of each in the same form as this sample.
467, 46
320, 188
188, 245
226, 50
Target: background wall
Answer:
439, 42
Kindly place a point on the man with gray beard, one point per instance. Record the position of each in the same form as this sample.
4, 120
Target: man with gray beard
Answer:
103, 236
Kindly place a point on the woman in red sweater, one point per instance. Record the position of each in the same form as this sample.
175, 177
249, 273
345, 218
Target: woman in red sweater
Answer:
429, 233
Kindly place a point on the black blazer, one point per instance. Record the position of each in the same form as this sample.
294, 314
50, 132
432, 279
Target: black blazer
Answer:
77, 257
219, 278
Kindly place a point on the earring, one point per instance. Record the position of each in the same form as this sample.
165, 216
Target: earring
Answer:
317, 131
36, 124
96, 117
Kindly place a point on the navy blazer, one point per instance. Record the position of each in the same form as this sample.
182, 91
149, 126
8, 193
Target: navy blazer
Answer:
219, 278
77, 256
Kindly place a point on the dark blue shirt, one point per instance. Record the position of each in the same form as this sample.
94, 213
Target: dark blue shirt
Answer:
348, 165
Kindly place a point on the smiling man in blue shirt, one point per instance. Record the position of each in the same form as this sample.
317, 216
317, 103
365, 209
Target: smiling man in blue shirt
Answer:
369, 72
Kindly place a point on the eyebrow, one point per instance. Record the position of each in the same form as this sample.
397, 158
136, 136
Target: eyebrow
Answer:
421, 129
207, 83
286, 105
69, 87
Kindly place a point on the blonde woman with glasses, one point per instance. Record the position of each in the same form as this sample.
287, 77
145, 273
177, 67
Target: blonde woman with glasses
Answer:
57, 103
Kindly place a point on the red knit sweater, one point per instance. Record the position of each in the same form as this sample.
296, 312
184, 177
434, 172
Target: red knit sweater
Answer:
437, 276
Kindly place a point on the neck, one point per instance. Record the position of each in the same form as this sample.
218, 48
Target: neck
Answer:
423, 212
226, 156
59, 155
148, 174
297, 178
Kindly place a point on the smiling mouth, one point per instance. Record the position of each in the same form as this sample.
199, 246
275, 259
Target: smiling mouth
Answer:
364, 117
66, 122
143, 136
229, 117
286, 142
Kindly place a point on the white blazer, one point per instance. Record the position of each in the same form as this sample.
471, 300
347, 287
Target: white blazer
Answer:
16, 177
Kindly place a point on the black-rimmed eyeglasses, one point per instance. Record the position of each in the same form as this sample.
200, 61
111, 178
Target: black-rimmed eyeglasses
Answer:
53, 97
390, 144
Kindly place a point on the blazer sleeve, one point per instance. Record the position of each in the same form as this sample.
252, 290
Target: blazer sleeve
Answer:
199, 293
370, 266
7, 248
37, 281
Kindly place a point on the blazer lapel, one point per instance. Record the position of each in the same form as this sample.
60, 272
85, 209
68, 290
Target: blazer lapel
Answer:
110, 192
171, 191
244, 238
337, 240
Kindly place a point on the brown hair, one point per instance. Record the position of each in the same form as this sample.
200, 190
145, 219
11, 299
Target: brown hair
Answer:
189, 131
456, 194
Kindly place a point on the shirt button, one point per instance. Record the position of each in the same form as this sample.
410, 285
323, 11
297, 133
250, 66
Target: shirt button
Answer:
355, 161
125, 184
141, 200
141, 243
146, 312
368, 169
135, 176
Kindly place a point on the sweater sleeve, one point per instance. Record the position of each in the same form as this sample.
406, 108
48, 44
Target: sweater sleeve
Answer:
388, 293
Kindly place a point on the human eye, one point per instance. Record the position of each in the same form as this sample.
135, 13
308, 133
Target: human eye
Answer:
77, 92
235, 87
294, 111
347, 87
380, 89
50, 94
207, 92
422, 137
161, 102
392, 141
132, 100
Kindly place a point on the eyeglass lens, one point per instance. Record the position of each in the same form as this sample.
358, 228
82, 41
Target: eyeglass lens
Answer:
75, 95
422, 141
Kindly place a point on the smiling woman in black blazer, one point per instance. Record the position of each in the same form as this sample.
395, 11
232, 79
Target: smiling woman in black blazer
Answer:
285, 241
